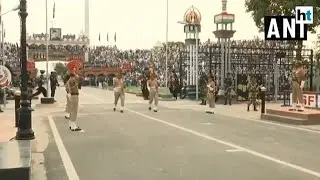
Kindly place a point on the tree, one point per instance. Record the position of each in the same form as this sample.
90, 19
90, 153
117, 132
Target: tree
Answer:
61, 69
261, 8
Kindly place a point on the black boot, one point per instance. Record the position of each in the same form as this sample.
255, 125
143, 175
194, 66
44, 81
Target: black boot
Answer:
248, 108
203, 102
255, 108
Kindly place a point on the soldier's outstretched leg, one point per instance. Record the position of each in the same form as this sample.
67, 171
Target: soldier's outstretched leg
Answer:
122, 98
74, 104
300, 99
67, 110
151, 97
156, 100
116, 99
211, 103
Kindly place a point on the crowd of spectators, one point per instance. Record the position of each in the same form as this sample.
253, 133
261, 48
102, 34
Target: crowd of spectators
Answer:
139, 59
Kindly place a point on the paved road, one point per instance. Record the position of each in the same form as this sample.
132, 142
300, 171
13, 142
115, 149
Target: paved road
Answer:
174, 144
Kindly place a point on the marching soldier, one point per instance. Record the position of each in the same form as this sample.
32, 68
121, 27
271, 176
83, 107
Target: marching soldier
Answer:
253, 94
153, 86
40, 83
228, 89
211, 94
298, 78
174, 84
203, 86
118, 87
73, 95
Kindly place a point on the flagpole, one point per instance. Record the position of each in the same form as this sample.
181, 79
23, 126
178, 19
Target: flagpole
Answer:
167, 30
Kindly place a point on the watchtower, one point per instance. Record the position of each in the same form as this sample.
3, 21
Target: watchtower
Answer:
224, 32
192, 28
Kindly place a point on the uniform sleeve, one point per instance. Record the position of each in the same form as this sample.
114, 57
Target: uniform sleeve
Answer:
114, 82
301, 75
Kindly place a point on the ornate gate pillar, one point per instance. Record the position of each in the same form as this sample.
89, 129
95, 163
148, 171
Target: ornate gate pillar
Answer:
224, 32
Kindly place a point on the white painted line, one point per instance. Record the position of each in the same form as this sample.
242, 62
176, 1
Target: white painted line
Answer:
207, 123
70, 170
276, 124
250, 119
234, 150
254, 153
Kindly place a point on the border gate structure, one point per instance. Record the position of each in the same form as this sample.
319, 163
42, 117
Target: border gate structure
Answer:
270, 64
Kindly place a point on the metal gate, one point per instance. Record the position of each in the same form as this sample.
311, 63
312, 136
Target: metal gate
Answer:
270, 66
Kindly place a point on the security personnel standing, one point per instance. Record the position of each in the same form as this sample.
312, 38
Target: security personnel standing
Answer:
53, 83
174, 84
253, 93
227, 89
298, 78
73, 95
211, 94
144, 87
203, 87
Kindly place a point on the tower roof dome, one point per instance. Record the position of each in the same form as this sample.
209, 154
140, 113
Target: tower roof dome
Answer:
192, 16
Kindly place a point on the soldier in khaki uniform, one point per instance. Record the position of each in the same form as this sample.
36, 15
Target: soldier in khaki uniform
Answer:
153, 88
211, 94
73, 96
118, 87
253, 89
298, 78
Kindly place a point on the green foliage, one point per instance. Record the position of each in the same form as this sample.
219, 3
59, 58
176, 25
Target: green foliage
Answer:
261, 8
61, 69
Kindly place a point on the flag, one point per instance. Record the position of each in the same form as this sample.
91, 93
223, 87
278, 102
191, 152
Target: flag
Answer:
99, 36
115, 37
108, 37
54, 10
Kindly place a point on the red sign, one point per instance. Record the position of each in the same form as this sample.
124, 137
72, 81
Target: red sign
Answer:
126, 66
74, 64
309, 100
31, 65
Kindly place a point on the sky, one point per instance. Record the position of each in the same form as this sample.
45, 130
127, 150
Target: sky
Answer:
138, 23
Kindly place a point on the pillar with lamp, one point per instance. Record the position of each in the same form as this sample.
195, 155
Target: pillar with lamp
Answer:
192, 28
25, 131
224, 32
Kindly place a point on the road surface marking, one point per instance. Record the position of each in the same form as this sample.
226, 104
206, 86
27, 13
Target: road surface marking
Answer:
207, 123
234, 150
70, 170
250, 119
276, 124
254, 153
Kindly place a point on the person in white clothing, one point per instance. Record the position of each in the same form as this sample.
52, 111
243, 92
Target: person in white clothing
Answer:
118, 88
